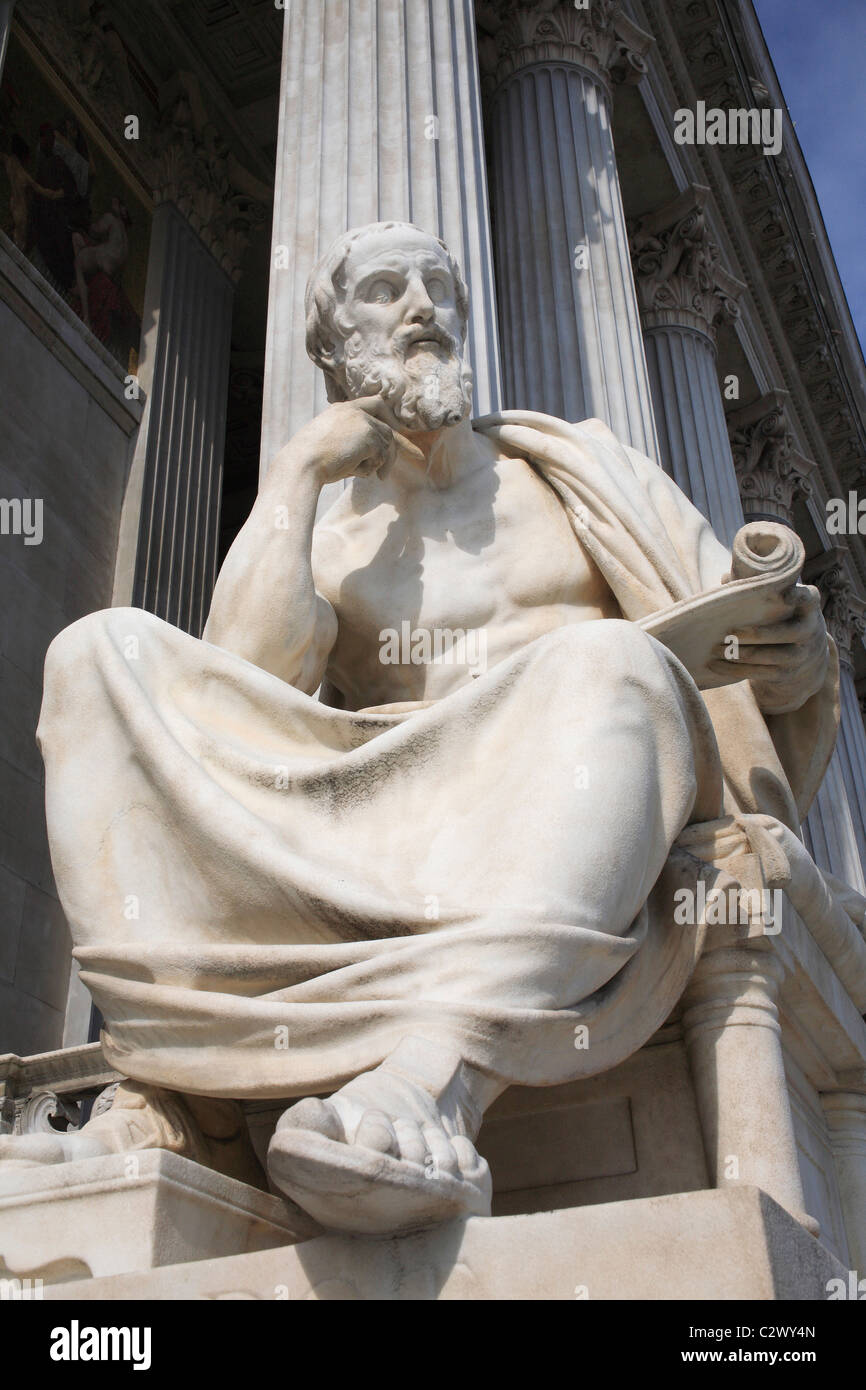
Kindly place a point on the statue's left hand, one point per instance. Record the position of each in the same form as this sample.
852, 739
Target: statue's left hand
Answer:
785, 661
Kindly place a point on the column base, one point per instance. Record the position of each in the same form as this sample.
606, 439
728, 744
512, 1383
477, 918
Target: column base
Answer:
731, 1243
102, 1217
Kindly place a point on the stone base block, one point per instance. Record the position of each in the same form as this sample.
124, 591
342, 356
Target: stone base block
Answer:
735, 1243
103, 1217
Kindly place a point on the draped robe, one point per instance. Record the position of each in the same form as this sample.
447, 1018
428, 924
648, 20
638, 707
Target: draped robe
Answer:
266, 894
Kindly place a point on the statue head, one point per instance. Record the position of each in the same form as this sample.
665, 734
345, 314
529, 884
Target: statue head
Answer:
387, 310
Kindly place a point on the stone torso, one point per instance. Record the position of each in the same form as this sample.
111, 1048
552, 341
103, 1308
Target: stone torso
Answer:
491, 555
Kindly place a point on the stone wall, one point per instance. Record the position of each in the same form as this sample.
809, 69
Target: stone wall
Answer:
65, 440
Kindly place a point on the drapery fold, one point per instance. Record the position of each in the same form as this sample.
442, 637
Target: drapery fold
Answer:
267, 894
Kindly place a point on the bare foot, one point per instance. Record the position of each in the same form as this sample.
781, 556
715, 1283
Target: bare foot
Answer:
392, 1149
140, 1117
210, 1132
33, 1150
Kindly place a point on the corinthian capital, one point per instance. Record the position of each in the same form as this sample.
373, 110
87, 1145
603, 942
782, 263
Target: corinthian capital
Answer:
844, 612
680, 281
770, 471
194, 168
598, 36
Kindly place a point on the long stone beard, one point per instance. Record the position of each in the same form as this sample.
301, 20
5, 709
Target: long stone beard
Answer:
425, 389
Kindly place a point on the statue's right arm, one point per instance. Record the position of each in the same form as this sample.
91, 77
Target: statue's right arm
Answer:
265, 606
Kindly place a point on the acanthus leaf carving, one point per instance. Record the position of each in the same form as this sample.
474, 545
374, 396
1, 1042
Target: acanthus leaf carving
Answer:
600, 38
678, 271
770, 472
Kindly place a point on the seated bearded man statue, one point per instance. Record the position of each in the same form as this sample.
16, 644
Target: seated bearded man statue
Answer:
392, 829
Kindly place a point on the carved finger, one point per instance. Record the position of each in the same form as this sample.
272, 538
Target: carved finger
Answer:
377, 1132
442, 1156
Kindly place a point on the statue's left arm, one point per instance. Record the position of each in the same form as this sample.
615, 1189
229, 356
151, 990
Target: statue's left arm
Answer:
785, 662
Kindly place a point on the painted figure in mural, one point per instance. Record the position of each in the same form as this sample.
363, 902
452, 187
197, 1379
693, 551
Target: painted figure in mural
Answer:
71, 146
106, 250
398, 898
22, 186
51, 234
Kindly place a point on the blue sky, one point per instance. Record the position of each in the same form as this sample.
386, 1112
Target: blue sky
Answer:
819, 50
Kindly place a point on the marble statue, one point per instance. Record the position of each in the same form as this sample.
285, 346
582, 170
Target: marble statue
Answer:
393, 835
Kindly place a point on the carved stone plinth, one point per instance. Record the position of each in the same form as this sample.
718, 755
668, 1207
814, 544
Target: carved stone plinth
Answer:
732, 1244
133, 1211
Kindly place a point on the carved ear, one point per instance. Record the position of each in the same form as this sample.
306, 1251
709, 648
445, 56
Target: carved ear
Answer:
327, 355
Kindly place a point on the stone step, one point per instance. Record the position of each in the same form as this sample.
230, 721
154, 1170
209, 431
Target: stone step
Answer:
730, 1243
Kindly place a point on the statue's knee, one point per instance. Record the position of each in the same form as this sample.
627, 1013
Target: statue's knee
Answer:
73, 646
76, 648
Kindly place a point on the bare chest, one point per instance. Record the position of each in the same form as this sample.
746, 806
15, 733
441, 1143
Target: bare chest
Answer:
496, 554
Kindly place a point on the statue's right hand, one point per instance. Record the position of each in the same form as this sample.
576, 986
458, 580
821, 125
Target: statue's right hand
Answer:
348, 439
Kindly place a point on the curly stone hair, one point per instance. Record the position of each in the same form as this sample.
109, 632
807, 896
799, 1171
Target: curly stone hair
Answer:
326, 290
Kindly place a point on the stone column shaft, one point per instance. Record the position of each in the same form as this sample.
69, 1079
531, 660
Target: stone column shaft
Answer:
733, 1040
684, 293
837, 822
829, 832
845, 1113
851, 744
693, 437
168, 546
380, 119
570, 330
6, 8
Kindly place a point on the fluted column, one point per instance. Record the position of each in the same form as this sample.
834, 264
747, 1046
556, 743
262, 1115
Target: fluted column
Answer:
6, 8
167, 554
845, 616
845, 1114
829, 832
570, 330
380, 119
770, 472
733, 1039
683, 294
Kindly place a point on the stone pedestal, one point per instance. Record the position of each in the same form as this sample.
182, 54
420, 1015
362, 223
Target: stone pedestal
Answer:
571, 339
136, 1211
733, 1244
380, 119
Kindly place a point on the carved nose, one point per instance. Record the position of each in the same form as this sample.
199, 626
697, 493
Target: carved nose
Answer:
421, 306
422, 311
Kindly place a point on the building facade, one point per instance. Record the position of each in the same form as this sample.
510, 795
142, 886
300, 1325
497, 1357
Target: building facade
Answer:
624, 188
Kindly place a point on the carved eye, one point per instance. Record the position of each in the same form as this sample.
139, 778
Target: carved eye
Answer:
437, 290
381, 292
